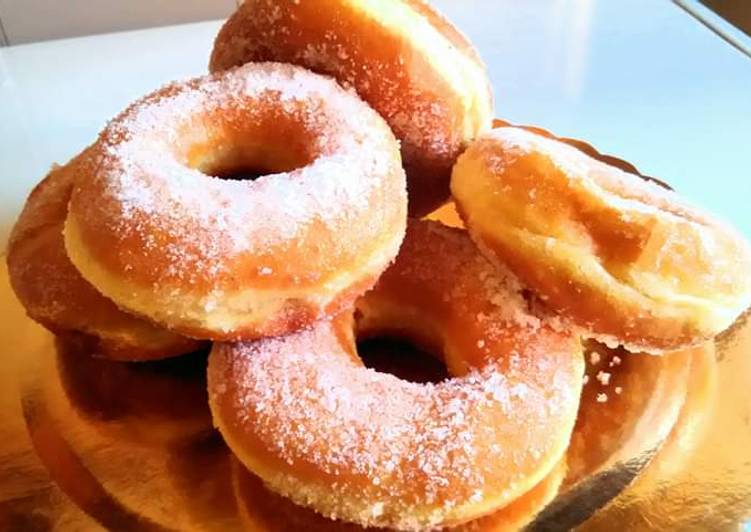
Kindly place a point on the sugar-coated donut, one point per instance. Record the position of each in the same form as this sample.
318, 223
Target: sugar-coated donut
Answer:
403, 58
305, 415
629, 401
690, 429
671, 478
213, 258
625, 259
629, 404
262, 510
54, 293
130, 444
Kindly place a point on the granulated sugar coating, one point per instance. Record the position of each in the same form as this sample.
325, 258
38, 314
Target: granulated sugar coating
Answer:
261, 509
367, 447
629, 262
200, 221
149, 222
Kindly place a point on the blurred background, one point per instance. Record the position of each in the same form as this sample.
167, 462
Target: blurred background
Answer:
24, 21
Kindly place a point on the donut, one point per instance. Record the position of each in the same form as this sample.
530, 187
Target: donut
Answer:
403, 58
304, 414
690, 429
153, 403
55, 294
129, 444
584, 147
154, 226
675, 474
262, 510
630, 403
621, 257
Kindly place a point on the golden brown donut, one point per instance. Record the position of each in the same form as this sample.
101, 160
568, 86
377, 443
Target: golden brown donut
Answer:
130, 444
213, 258
262, 510
623, 258
665, 494
150, 403
403, 58
630, 403
54, 293
302, 412
682, 443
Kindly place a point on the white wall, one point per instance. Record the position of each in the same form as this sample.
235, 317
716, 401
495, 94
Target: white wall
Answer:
36, 20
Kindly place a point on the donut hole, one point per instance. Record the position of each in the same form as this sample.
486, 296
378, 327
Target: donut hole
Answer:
402, 358
238, 164
251, 152
242, 173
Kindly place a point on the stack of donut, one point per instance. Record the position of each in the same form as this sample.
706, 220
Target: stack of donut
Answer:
275, 208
